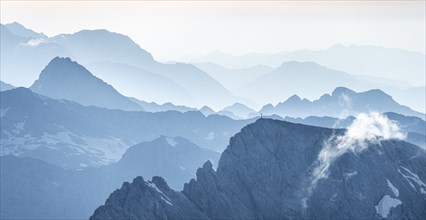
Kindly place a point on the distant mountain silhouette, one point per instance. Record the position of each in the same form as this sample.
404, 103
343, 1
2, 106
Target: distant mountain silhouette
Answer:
361, 60
154, 107
5, 86
306, 79
357, 67
207, 111
91, 46
144, 85
239, 110
94, 46
34, 53
341, 103
233, 78
19, 30
64, 79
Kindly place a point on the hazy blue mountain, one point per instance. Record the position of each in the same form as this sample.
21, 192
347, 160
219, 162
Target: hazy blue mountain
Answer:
307, 79
207, 111
198, 83
19, 30
239, 110
154, 107
118, 48
90, 46
233, 78
64, 79
174, 158
23, 58
93, 46
70, 135
341, 103
295, 74
48, 191
411, 97
8, 39
266, 172
377, 61
144, 85
414, 127
5, 86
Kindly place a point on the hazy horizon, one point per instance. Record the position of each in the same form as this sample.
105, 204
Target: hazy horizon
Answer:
179, 31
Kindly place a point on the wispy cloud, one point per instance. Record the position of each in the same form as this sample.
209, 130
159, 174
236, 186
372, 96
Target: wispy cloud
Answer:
366, 129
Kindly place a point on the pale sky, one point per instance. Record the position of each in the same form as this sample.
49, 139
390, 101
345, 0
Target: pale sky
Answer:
172, 30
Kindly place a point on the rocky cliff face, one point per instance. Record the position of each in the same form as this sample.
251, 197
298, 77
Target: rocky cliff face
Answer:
267, 172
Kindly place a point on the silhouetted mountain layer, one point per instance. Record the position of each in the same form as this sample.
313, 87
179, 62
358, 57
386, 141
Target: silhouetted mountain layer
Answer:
376, 61
64, 79
68, 134
191, 85
22, 57
239, 110
233, 78
5, 86
341, 103
154, 107
307, 79
50, 192
266, 172
19, 30
145, 85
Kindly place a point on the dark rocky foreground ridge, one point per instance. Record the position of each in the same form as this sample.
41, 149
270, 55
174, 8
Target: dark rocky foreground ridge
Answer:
266, 173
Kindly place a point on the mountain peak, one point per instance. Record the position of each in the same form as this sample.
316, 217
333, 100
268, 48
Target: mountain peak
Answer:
21, 31
342, 90
64, 67
63, 78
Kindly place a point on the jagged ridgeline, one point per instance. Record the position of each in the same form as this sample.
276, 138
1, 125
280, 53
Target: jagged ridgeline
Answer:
267, 172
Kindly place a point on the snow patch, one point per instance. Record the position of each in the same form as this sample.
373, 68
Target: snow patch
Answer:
171, 141
412, 177
386, 204
393, 188
210, 137
106, 150
162, 196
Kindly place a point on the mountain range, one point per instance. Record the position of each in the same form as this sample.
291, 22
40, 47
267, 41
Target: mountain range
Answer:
342, 102
5, 86
64, 79
397, 64
90, 47
52, 192
120, 62
71, 135
269, 171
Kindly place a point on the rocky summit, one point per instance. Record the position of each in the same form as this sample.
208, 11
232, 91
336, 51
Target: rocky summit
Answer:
268, 172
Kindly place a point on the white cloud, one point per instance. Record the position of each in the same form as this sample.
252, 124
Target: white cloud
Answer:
366, 129
33, 42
